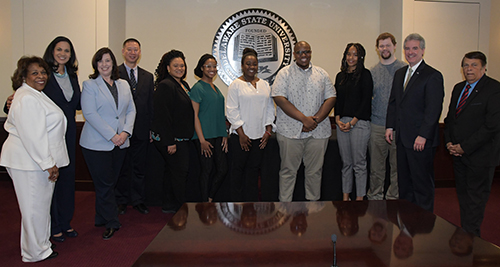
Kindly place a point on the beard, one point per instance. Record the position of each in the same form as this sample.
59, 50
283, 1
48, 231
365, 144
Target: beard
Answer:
389, 55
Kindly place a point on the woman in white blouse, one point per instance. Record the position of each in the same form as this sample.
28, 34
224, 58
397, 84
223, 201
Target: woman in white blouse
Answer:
250, 110
33, 154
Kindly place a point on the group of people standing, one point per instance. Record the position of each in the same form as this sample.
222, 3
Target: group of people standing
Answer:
42, 140
392, 109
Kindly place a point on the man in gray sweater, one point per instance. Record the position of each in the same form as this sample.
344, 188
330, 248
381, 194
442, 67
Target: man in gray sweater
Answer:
383, 74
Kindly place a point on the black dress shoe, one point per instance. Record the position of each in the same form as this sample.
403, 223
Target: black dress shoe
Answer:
109, 233
60, 238
73, 233
51, 256
142, 208
168, 210
122, 209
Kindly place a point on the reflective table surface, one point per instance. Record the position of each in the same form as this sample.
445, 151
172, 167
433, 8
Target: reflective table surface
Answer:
368, 233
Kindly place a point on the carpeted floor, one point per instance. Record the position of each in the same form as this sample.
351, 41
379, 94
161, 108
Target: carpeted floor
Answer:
88, 249
139, 230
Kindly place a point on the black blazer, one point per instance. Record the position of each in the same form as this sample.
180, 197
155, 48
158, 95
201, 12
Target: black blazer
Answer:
143, 100
173, 113
416, 110
477, 127
55, 93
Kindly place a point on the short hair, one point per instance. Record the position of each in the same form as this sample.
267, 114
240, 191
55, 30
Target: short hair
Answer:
131, 40
98, 57
248, 52
22, 69
48, 56
198, 71
384, 36
161, 71
415, 37
475, 55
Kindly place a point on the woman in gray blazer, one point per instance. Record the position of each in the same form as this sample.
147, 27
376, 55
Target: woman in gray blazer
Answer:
109, 112
33, 154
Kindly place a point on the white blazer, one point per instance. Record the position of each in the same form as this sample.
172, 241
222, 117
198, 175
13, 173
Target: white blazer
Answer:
102, 119
37, 129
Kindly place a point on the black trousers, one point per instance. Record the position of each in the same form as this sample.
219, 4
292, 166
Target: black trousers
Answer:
130, 187
104, 167
416, 175
63, 200
473, 185
175, 175
245, 167
210, 184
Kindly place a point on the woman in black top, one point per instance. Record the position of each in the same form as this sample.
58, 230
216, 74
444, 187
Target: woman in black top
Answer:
354, 87
173, 126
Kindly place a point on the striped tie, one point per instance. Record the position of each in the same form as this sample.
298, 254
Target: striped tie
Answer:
133, 82
462, 99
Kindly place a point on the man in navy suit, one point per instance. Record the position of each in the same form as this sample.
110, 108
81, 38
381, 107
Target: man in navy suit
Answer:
413, 112
130, 187
472, 136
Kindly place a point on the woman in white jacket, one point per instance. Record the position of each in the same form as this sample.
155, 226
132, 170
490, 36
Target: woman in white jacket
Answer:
33, 154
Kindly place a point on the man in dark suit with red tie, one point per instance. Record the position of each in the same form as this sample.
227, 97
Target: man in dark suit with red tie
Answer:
472, 136
413, 112
130, 187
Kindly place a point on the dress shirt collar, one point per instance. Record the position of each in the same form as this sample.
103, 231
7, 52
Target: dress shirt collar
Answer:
128, 71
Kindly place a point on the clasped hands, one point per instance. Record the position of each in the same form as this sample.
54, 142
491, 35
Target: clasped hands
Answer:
455, 150
119, 139
309, 123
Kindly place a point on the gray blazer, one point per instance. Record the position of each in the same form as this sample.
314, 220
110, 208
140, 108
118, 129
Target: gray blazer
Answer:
102, 119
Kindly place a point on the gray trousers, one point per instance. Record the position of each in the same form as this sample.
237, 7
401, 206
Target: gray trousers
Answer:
353, 146
292, 152
379, 150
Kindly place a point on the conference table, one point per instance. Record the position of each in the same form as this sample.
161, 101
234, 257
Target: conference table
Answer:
366, 233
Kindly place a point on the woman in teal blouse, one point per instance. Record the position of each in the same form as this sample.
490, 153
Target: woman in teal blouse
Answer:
210, 127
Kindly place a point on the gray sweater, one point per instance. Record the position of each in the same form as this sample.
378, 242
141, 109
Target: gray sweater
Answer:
382, 84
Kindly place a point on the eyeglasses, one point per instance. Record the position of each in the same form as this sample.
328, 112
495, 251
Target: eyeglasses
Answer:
210, 66
300, 53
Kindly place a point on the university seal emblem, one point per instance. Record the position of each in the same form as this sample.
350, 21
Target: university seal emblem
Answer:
266, 32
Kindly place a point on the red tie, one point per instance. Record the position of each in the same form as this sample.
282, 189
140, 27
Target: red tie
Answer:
462, 99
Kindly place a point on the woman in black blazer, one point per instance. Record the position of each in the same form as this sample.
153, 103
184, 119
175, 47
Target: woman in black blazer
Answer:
173, 126
63, 88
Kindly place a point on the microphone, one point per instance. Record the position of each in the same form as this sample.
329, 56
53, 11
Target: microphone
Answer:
334, 240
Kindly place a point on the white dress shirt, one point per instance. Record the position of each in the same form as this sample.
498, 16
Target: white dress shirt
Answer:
249, 107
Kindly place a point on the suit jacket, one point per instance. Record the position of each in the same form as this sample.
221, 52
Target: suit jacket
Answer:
477, 126
416, 110
174, 114
36, 128
102, 119
55, 93
143, 100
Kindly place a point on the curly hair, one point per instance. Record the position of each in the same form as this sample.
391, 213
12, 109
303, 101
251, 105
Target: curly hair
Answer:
198, 71
48, 56
98, 57
360, 65
248, 52
22, 69
161, 71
